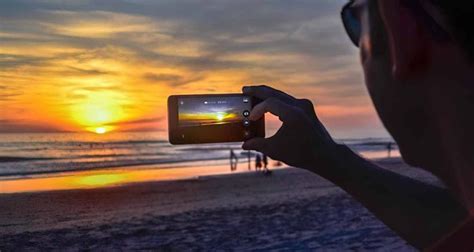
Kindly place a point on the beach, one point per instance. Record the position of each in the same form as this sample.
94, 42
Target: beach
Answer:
290, 210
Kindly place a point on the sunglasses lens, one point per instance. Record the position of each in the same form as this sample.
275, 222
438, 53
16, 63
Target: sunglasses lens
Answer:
352, 25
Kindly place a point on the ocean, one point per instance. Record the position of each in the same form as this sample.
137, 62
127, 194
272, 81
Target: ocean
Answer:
46, 154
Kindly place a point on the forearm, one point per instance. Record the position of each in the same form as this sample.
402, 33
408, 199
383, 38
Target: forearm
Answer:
420, 213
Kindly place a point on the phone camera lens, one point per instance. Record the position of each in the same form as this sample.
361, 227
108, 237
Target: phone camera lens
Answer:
246, 122
246, 113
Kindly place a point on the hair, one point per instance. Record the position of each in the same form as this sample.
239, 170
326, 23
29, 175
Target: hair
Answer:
460, 16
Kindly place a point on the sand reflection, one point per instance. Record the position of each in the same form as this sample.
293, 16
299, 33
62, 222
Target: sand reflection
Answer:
108, 178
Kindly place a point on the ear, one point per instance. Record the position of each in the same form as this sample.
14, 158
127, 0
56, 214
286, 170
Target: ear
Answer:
408, 40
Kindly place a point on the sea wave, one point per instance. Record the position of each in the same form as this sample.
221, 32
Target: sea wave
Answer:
5, 159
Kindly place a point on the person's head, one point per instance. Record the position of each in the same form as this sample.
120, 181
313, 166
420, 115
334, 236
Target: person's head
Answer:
418, 59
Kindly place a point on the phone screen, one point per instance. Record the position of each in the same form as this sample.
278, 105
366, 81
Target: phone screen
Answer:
212, 119
208, 111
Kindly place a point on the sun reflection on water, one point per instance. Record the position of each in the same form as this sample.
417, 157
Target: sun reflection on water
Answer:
109, 178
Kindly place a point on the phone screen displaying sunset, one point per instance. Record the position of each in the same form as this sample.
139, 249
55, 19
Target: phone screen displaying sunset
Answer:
207, 111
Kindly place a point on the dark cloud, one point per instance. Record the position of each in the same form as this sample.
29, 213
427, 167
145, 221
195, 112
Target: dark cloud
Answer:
9, 93
8, 97
171, 79
142, 121
15, 126
162, 77
86, 72
13, 61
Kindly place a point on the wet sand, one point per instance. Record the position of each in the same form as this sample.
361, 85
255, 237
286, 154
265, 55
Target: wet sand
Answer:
290, 210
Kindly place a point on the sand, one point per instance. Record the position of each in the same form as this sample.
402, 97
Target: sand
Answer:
290, 210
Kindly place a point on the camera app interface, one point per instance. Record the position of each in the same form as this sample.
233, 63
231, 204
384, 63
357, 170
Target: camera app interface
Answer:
213, 111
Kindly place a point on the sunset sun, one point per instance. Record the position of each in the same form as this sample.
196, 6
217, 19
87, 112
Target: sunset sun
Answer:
100, 130
100, 110
220, 116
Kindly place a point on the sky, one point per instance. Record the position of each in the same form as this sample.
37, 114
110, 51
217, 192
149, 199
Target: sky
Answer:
81, 65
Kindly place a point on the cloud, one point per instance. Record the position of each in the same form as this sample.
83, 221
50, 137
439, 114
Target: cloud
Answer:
94, 24
81, 71
19, 126
14, 61
173, 80
143, 121
8, 93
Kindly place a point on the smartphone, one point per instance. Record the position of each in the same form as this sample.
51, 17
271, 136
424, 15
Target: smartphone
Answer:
212, 118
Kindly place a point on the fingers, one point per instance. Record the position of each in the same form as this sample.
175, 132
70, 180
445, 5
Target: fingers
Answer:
264, 92
259, 144
274, 106
307, 106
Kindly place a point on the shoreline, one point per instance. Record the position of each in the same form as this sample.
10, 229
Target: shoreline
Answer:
162, 165
115, 176
125, 175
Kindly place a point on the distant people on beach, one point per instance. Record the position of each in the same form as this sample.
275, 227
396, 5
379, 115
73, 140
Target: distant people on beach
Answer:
233, 160
266, 171
258, 162
249, 160
265, 161
389, 149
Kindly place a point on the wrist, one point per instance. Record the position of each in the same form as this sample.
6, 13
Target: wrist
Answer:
333, 162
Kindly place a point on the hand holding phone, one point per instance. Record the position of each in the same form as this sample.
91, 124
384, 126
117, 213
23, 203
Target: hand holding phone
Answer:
302, 140
212, 118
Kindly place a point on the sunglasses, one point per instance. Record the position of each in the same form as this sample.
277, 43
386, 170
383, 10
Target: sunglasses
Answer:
351, 19
352, 24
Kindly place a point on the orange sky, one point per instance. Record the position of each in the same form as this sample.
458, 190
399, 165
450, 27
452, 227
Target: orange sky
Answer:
80, 66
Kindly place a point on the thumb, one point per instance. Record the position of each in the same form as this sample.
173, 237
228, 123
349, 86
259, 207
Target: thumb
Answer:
257, 144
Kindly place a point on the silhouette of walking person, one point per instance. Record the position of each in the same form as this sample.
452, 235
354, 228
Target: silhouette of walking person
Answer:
266, 171
389, 149
233, 160
249, 161
265, 162
258, 162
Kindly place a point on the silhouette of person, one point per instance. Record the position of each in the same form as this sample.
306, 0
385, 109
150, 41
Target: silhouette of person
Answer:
258, 162
233, 160
418, 61
249, 160
265, 161
266, 171
389, 148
